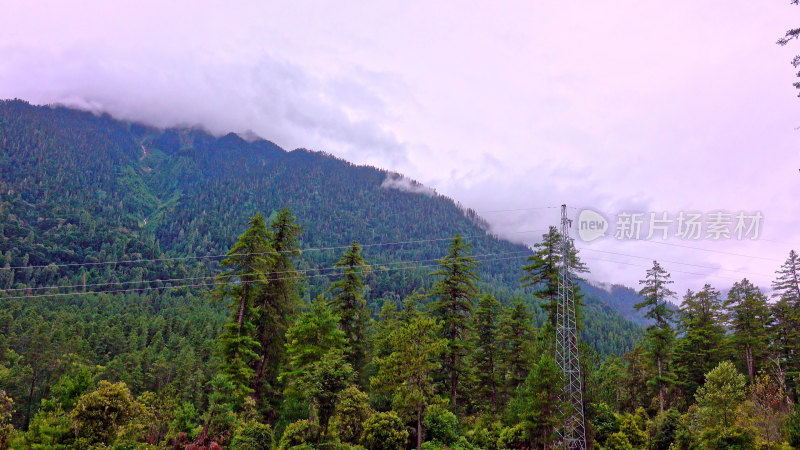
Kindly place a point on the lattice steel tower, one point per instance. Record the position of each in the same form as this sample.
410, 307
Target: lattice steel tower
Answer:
573, 433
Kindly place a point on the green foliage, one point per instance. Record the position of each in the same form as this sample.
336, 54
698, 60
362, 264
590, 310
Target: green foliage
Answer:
302, 432
720, 396
727, 438
515, 346
605, 423
791, 429
543, 270
275, 308
247, 264
351, 307
699, 348
252, 435
750, 322
6, 409
660, 335
455, 293
537, 405
441, 425
618, 441
634, 428
352, 410
99, 414
384, 431
317, 370
48, 429
514, 437
486, 356
665, 427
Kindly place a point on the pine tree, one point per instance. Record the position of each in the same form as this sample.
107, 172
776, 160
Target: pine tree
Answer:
486, 356
660, 335
276, 306
786, 311
542, 272
455, 293
349, 304
537, 404
787, 284
515, 343
406, 373
750, 320
242, 283
314, 341
699, 348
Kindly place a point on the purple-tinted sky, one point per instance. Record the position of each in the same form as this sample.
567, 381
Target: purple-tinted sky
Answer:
616, 106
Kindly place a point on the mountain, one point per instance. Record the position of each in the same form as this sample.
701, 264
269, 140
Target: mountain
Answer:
79, 190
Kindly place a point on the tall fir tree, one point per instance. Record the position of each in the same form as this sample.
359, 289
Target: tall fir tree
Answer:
315, 347
699, 348
406, 373
349, 304
486, 357
750, 319
516, 338
247, 264
786, 327
537, 404
660, 335
276, 307
543, 270
455, 293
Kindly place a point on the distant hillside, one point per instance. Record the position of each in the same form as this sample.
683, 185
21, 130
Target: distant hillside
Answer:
76, 188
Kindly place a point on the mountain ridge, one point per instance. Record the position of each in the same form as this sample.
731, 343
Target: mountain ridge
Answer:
90, 188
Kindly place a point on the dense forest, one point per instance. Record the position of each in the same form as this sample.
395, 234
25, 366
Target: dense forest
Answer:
145, 302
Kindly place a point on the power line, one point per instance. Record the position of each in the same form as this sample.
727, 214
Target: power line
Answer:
63, 294
303, 271
180, 258
674, 262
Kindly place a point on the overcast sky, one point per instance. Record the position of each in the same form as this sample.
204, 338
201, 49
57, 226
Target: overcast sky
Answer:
623, 106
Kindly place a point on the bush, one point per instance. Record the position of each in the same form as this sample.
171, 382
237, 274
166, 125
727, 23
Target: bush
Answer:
791, 430
485, 436
513, 437
99, 414
252, 435
300, 433
384, 431
618, 441
352, 410
441, 425
728, 438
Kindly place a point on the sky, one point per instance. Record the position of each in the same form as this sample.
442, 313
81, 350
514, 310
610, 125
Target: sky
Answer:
510, 108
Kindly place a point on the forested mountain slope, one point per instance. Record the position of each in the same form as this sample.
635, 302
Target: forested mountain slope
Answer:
77, 188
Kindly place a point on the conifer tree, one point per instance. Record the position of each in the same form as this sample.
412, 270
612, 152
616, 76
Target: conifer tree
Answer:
455, 293
699, 348
750, 320
542, 273
786, 311
486, 356
660, 335
276, 307
247, 264
406, 373
316, 369
515, 343
350, 305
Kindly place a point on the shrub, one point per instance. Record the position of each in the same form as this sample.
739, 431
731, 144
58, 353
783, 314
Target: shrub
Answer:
384, 431
252, 435
300, 433
441, 425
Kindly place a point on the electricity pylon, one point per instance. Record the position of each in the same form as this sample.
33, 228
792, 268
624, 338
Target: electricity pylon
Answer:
573, 432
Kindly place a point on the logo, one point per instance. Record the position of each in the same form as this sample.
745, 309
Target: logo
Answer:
591, 225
